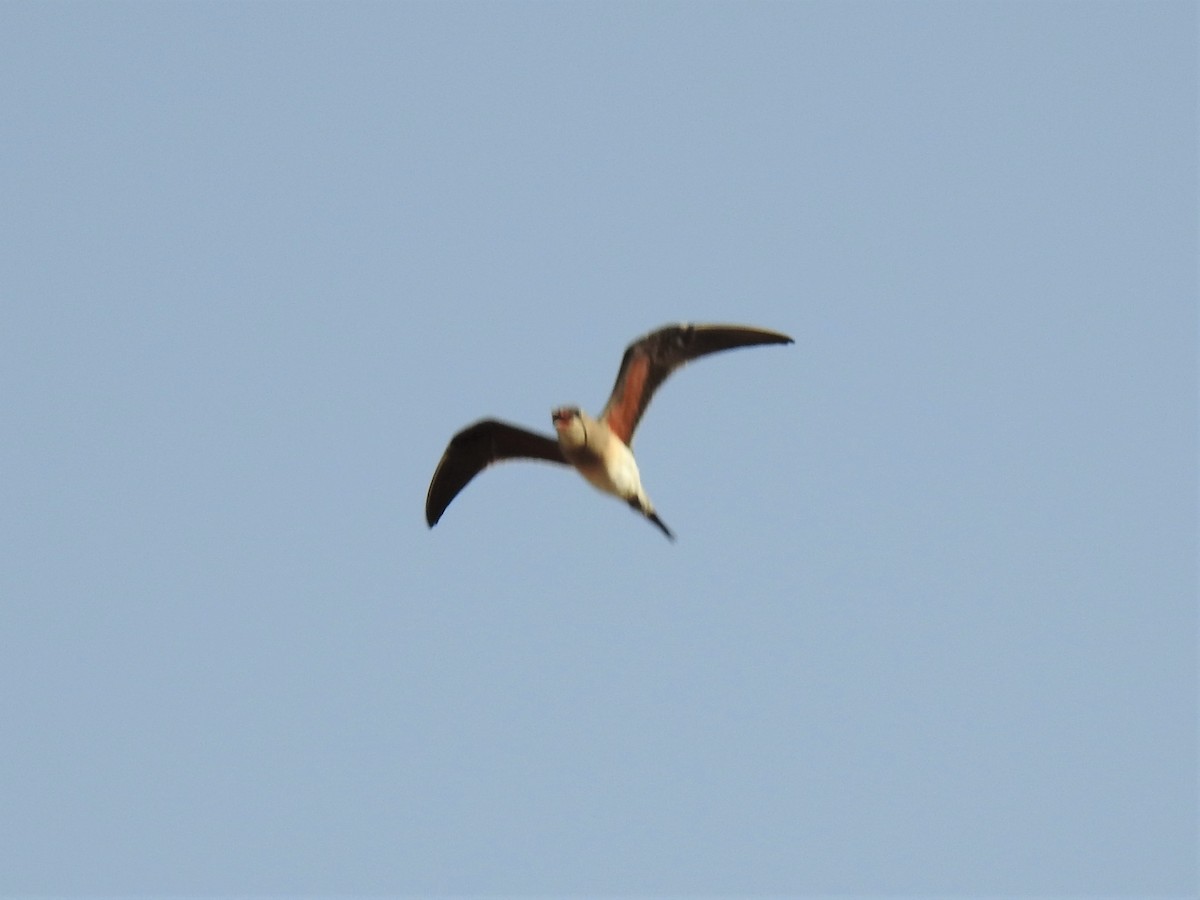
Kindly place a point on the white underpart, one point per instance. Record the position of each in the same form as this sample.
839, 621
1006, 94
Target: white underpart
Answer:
618, 475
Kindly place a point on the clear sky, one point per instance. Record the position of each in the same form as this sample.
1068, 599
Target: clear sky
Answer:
930, 625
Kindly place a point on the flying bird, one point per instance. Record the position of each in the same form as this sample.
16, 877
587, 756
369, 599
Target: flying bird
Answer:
600, 449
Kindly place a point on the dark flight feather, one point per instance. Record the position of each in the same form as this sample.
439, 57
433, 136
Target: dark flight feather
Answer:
475, 448
649, 360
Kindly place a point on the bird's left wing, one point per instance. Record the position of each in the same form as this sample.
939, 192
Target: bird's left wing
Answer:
474, 449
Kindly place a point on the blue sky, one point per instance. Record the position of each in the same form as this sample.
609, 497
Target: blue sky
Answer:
930, 624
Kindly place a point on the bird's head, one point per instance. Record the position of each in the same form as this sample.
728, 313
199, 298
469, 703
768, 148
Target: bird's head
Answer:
568, 423
563, 416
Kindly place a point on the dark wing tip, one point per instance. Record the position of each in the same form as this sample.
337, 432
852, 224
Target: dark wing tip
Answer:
432, 513
687, 340
751, 334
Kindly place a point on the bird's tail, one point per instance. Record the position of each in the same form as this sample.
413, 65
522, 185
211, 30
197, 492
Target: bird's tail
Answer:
649, 513
653, 517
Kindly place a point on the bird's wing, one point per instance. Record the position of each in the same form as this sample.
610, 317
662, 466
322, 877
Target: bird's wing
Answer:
474, 449
649, 360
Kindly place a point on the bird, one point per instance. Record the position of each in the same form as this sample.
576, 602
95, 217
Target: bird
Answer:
600, 449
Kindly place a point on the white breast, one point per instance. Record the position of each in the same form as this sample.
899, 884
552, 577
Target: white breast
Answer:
616, 472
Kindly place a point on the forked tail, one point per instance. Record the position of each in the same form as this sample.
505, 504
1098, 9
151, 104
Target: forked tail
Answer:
650, 514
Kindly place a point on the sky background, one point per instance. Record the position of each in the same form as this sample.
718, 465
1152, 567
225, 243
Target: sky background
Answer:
930, 625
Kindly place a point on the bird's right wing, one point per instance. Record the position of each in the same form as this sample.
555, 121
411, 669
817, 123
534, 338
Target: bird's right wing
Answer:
474, 449
650, 359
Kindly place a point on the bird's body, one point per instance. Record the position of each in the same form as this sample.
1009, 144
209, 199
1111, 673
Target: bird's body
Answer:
599, 449
599, 455
603, 459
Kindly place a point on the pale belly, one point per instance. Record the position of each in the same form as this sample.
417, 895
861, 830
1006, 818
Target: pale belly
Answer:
615, 473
